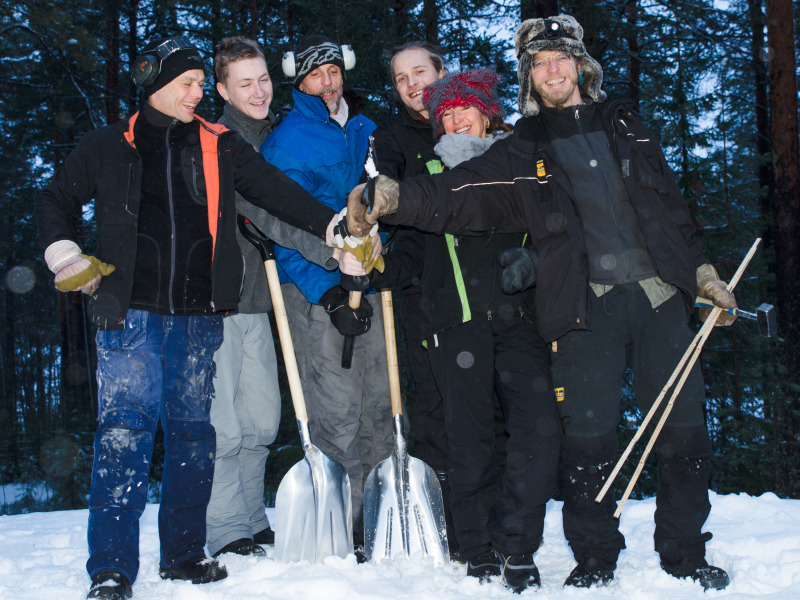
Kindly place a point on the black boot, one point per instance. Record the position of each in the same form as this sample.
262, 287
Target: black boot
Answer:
520, 572
242, 547
110, 585
265, 536
591, 571
487, 564
197, 570
709, 577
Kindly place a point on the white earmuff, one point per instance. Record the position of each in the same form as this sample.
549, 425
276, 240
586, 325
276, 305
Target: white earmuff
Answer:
288, 65
349, 57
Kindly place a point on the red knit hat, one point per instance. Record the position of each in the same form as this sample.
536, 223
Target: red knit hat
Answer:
476, 88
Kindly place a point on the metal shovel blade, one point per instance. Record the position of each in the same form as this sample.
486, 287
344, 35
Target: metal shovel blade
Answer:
403, 508
313, 518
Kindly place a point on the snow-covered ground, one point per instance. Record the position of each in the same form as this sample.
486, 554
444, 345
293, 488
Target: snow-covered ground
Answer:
757, 540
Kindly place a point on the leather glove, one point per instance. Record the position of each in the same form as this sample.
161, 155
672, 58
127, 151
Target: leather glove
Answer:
368, 253
519, 269
337, 234
385, 201
347, 321
711, 287
75, 271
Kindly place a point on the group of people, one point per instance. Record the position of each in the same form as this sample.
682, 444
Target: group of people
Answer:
535, 263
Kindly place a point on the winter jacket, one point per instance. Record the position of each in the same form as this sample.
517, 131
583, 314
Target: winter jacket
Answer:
517, 185
255, 296
327, 161
458, 276
107, 167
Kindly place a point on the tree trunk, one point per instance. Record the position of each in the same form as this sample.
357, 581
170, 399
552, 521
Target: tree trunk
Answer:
537, 9
111, 95
631, 17
786, 203
430, 14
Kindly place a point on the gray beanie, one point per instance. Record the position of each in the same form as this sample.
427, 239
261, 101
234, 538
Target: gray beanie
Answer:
556, 34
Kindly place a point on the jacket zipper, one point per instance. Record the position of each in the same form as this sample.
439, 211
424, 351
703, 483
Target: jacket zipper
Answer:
608, 193
173, 242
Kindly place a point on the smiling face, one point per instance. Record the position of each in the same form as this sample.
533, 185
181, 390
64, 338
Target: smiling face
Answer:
179, 98
465, 119
248, 87
412, 71
554, 76
325, 82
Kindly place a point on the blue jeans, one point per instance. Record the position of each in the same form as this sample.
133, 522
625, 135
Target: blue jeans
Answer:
158, 366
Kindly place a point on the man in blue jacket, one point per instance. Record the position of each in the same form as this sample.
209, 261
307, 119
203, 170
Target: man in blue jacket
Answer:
322, 144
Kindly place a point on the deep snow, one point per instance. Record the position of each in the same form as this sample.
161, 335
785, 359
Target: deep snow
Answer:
757, 540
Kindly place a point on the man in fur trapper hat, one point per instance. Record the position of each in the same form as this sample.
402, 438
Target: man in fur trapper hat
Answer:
535, 42
619, 266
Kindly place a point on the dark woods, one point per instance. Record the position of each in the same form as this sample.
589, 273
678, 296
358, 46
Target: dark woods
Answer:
717, 85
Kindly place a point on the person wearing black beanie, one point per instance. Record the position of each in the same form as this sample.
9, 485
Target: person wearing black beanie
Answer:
167, 267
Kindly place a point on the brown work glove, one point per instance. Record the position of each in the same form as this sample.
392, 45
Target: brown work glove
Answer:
711, 287
385, 202
368, 253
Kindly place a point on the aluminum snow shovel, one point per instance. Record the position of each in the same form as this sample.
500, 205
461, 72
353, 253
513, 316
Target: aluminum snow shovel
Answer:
403, 508
313, 514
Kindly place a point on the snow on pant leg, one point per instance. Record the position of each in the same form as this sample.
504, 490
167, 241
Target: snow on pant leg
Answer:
332, 394
463, 362
522, 382
258, 406
588, 369
188, 436
683, 446
129, 377
227, 516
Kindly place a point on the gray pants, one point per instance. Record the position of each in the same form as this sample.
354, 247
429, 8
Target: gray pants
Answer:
349, 415
245, 413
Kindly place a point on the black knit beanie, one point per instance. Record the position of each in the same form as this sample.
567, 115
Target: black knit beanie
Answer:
174, 65
312, 52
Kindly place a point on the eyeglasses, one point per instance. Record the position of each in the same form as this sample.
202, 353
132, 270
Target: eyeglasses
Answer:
540, 64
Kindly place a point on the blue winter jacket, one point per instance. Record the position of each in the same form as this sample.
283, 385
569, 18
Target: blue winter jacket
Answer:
327, 161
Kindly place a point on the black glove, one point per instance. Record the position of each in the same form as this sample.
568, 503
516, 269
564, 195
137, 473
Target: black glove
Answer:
519, 269
347, 321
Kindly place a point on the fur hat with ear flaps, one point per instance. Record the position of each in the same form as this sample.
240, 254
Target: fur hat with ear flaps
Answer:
556, 34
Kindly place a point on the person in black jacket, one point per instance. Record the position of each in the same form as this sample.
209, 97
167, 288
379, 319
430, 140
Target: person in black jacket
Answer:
619, 263
483, 342
403, 148
167, 266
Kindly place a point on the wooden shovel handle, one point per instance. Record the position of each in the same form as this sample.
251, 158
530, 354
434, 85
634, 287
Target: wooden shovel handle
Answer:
391, 352
289, 358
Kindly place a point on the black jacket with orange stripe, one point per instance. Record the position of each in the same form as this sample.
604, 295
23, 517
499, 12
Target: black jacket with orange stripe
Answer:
106, 167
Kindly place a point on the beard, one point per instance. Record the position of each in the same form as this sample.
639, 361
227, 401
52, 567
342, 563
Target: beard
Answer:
558, 99
332, 103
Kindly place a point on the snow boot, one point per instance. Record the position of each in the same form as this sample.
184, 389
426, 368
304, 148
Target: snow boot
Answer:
520, 572
590, 572
708, 576
265, 536
110, 585
197, 570
487, 564
242, 547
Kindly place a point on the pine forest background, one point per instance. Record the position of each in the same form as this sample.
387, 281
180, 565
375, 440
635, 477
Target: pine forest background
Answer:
716, 80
